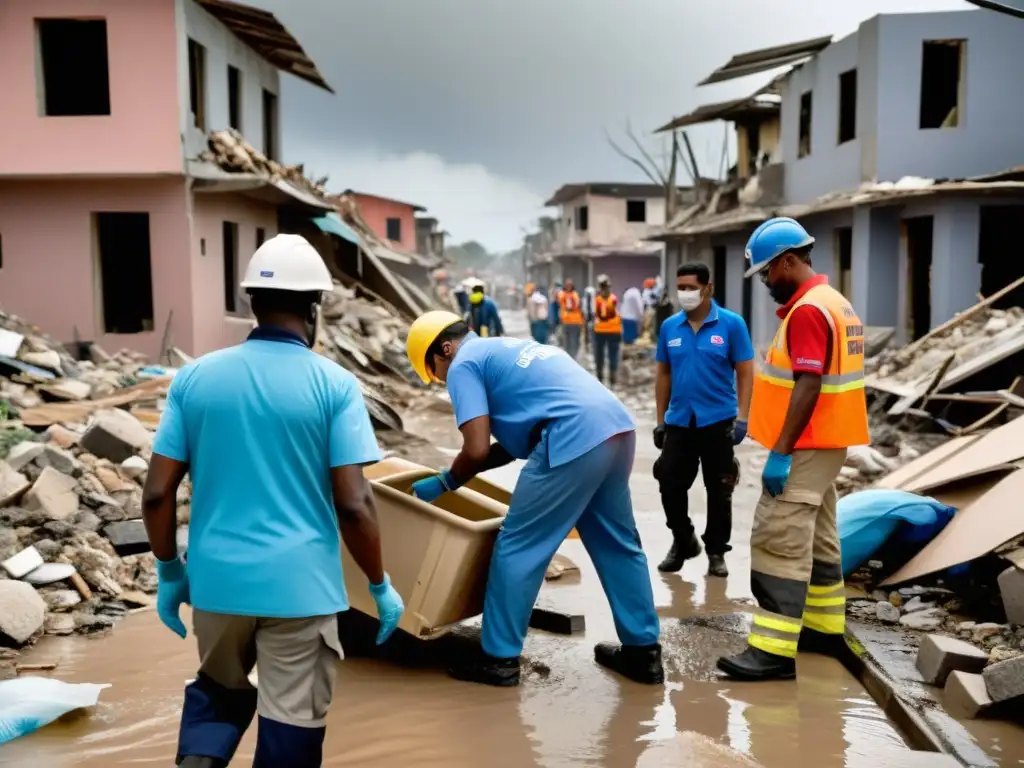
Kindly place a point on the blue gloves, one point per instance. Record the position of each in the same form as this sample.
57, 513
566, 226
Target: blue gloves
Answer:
776, 473
429, 488
389, 607
739, 431
171, 592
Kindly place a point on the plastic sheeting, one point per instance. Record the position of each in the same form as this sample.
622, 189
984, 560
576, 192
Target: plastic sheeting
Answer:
29, 703
867, 519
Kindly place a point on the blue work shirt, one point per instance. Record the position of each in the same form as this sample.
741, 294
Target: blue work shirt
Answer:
703, 365
485, 315
260, 426
523, 387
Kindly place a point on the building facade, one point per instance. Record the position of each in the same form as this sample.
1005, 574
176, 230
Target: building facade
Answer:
115, 226
389, 219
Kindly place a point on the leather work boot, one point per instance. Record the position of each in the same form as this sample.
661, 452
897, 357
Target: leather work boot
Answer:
683, 548
639, 663
813, 641
487, 670
717, 566
755, 665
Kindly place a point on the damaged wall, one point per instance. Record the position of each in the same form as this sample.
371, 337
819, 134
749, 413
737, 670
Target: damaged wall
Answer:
50, 255
876, 265
627, 271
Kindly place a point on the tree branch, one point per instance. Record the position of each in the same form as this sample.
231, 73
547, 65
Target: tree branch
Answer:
623, 153
661, 174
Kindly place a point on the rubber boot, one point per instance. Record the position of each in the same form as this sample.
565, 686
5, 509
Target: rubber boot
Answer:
213, 720
279, 745
639, 663
717, 566
683, 548
813, 641
488, 670
755, 664
193, 761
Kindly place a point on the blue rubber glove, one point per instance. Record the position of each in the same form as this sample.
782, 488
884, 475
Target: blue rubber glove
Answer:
389, 607
429, 488
171, 593
776, 473
739, 431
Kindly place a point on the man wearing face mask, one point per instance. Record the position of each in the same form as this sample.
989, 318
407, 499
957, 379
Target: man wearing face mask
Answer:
702, 389
808, 408
578, 441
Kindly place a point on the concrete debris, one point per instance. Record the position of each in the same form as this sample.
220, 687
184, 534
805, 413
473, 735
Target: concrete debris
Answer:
924, 621
115, 435
22, 611
1011, 590
887, 613
938, 656
967, 695
1005, 680
54, 494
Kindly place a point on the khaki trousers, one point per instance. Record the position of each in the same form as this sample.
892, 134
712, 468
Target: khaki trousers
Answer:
296, 661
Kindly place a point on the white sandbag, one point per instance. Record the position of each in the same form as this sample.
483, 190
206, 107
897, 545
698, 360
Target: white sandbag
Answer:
29, 703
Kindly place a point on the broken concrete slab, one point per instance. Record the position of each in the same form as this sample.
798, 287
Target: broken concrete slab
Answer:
13, 485
68, 390
111, 481
61, 599
924, 621
887, 613
22, 611
115, 435
128, 537
58, 458
1005, 680
59, 624
24, 453
23, 563
50, 573
54, 493
48, 359
1011, 590
938, 656
61, 436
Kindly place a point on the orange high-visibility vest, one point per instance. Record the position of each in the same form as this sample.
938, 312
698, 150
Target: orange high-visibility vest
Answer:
606, 314
840, 417
571, 314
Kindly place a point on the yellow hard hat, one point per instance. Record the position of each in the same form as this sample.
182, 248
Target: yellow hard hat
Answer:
424, 332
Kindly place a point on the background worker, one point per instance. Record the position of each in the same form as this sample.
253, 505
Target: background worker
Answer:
274, 437
483, 316
632, 314
607, 330
570, 316
461, 292
705, 373
808, 407
578, 442
537, 312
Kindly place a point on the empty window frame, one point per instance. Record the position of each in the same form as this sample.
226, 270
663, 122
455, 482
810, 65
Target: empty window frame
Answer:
125, 275
234, 98
261, 236
844, 261
230, 251
197, 83
74, 66
394, 230
806, 113
847, 106
582, 218
636, 211
270, 148
942, 63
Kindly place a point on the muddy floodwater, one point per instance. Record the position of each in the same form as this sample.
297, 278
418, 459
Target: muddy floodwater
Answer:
568, 712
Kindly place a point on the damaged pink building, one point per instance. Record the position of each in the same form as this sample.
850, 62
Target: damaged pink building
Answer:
114, 227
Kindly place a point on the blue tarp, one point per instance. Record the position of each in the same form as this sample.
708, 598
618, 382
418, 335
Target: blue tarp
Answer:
332, 224
867, 519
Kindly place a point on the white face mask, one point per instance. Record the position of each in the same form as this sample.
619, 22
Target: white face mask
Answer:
689, 300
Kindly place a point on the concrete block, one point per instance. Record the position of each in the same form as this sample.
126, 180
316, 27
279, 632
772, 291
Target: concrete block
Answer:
22, 610
967, 695
128, 537
1005, 680
555, 621
939, 655
115, 435
68, 389
54, 494
12, 485
58, 458
24, 453
1011, 589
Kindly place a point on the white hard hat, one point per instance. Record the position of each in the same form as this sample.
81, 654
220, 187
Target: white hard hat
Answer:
287, 263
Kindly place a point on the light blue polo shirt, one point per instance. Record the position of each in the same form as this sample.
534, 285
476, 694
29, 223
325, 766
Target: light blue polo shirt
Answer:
523, 386
703, 365
261, 425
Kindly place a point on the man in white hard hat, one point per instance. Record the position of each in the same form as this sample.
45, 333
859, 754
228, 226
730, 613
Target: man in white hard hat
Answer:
274, 437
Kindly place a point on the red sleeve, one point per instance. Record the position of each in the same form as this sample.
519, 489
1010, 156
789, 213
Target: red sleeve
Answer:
809, 334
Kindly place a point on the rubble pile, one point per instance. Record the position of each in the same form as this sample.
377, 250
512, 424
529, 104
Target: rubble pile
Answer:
232, 153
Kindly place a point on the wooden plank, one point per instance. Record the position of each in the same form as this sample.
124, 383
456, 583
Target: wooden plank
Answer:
903, 406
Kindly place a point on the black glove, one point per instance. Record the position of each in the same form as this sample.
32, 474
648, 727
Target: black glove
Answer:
659, 436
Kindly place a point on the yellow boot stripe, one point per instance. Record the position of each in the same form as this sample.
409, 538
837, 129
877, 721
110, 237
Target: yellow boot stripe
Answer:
825, 602
773, 645
826, 591
834, 624
778, 623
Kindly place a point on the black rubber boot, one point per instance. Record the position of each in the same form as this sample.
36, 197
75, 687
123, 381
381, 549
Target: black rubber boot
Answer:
639, 663
683, 548
488, 670
717, 566
813, 641
755, 664
194, 761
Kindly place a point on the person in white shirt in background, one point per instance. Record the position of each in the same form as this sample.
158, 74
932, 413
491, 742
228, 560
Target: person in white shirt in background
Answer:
537, 311
632, 314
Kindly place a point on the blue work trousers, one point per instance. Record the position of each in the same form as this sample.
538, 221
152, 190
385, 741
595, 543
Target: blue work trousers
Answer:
571, 339
606, 345
539, 331
590, 493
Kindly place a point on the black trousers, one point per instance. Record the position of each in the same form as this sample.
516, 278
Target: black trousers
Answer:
711, 448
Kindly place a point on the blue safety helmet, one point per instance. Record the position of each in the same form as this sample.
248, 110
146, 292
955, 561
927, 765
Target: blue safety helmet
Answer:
772, 239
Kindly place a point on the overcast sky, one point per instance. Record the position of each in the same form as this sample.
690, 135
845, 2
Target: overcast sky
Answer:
480, 109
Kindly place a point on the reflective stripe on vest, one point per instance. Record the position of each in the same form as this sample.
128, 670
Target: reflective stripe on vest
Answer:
840, 416
606, 314
570, 314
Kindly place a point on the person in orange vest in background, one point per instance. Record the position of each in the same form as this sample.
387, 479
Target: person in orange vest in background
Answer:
570, 315
607, 330
808, 407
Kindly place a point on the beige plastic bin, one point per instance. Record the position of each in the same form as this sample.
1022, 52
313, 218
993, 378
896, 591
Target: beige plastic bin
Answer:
395, 465
437, 554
